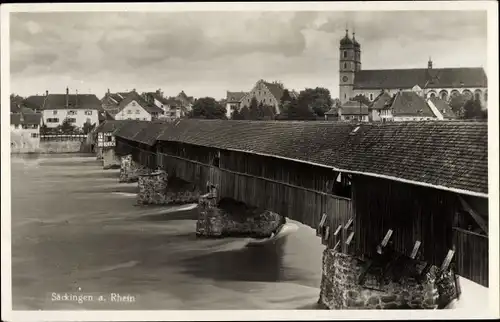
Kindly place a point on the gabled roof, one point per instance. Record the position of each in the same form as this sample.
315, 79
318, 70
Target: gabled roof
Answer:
354, 108
133, 96
275, 89
444, 108
407, 103
407, 78
157, 96
110, 125
35, 101
381, 101
333, 111
26, 119
444, 155
58, 102
235, 97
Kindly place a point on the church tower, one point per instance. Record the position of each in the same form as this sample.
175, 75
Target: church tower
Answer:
348, 65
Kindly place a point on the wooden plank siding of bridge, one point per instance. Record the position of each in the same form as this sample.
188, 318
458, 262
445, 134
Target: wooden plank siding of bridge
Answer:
406, 177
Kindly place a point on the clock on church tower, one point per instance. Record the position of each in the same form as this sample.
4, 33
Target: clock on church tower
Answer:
345, 79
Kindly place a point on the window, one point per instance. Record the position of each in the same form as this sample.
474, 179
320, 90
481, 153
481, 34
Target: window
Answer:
371, 97
145, 119
52, 120
109, 138
88, 112
71, 120
137, 112
34, 135
133, 104
345, 53
345, 65
137, 118
71, 112
54, 112
345, 96
129, 112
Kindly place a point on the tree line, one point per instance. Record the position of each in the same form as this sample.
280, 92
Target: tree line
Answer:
310, 104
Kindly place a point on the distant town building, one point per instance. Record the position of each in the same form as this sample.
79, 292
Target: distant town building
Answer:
186, 101
434, 82
25, 129
132, 106
233, 102
402, 106
77, 109
264, 92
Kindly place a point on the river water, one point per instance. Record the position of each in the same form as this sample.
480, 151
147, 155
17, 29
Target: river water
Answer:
77, 231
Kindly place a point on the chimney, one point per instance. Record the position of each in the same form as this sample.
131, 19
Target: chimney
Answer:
429, 64
67, 97
109, 91
76, 98
46, 93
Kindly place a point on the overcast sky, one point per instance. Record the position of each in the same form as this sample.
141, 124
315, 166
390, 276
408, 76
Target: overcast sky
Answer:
206, 54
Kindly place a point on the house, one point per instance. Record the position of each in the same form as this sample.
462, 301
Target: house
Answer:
409, 106
434, 82
156, 98
186, 101
353, 111
77, 109
25, 130
233, 102
443, 107
266, 93
134, 107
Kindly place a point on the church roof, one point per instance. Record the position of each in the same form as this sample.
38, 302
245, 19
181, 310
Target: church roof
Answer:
407, 78
346, 41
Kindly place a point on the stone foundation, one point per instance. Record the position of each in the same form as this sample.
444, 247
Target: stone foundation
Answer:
157, 189
110, 159
131, 170
213, 221
340, 288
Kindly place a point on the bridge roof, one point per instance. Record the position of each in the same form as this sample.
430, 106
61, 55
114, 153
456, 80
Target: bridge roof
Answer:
448, 155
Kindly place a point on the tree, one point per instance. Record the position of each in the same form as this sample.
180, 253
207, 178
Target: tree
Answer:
473, 110
457, 104
208, 108
362, 99
66, 127
88, 127
297, 109
318, 100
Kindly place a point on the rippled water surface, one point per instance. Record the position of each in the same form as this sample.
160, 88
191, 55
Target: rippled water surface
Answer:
76, 230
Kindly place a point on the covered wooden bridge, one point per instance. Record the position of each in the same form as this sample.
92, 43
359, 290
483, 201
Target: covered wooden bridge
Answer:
427, 182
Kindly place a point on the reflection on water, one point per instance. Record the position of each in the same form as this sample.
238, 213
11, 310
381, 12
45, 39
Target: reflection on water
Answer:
76, 230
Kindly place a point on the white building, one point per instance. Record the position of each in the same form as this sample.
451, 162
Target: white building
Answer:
135, 107
77, 109
25, 130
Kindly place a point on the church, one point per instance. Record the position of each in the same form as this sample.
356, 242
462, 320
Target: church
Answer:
442, 83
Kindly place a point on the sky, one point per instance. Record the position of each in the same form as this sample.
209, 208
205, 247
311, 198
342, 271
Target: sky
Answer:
209, 53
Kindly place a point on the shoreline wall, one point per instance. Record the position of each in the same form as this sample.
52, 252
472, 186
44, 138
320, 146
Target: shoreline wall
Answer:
51, 147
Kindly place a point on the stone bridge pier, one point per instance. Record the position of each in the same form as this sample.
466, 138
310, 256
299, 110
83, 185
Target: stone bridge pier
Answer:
217, 217
110, 159
413, 288
131, 170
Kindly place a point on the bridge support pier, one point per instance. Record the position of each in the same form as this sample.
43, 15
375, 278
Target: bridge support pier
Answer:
131, 170
340, 289
214, 221
156, 188
98, 153
110, 159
